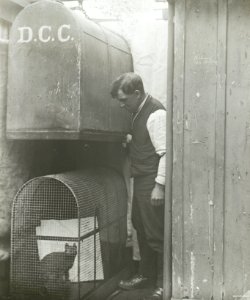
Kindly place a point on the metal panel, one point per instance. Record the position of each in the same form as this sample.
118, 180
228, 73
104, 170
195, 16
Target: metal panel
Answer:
41, 95
67, 64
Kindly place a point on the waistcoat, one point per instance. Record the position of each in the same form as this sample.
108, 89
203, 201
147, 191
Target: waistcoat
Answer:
144, 160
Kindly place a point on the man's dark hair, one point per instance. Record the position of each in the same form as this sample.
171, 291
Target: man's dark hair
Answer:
128, 83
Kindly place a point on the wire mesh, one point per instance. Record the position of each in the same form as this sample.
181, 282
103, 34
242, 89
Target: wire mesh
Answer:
68, 233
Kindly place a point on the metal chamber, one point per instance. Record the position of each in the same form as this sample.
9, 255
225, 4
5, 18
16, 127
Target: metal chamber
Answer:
61, 65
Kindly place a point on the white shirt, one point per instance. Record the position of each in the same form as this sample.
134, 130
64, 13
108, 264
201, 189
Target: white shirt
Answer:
156, 125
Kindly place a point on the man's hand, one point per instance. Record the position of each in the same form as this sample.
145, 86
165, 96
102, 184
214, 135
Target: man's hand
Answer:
158, 195
126, 140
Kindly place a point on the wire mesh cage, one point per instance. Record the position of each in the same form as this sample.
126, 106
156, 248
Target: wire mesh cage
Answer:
68, 233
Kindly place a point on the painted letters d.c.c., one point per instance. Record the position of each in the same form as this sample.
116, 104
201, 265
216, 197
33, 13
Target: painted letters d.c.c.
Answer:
44, 34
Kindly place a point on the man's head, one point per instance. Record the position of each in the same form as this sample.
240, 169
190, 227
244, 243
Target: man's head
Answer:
129, 91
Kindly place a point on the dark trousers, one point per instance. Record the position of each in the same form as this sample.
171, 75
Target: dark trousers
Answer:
148, 221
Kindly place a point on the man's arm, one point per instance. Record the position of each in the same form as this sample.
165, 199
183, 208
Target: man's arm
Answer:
156, 126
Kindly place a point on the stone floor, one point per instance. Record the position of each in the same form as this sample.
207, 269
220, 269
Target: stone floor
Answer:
129, 295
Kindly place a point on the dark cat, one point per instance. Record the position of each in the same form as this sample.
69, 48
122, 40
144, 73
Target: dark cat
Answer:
55, 269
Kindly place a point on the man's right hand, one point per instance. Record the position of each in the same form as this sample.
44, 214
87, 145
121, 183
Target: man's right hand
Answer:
158, 195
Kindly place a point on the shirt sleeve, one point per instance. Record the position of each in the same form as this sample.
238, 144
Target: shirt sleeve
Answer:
156, 125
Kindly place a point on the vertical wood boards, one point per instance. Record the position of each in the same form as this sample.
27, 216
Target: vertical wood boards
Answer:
177, 199
237, 151
167, 276
194, 147
219, 186
211, 163
199, 132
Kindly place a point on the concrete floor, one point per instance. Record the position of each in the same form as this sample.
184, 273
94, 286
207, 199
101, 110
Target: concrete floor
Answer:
129, 295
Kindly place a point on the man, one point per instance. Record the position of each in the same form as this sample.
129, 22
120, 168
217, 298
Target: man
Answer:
147, 154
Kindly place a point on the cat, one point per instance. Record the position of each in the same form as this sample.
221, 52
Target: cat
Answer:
55, 270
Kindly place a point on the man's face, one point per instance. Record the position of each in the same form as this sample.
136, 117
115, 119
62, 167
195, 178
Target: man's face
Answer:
129, 102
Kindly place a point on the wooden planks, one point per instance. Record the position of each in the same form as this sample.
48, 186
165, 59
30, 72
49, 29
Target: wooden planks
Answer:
194, 148
177, 200
199, 145
167, 276
211, 151
219, 178
211, 165
237, 151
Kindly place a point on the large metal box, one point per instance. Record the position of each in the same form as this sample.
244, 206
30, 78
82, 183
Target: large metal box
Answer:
61, 65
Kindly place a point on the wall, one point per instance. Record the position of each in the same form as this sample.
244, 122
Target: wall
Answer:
211, 161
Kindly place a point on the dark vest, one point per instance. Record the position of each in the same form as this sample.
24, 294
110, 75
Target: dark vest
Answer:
144, 160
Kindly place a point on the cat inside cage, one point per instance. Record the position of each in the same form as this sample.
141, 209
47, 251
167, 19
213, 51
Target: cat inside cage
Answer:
66, 242
55, 268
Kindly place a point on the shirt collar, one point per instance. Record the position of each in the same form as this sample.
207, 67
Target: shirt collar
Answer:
142, 104
140, 107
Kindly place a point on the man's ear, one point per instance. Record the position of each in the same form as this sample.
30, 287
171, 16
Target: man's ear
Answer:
137, 93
